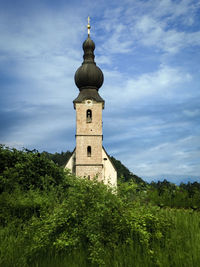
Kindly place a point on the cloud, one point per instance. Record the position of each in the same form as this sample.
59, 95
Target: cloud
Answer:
117, 41
162, 83
181, 155
158, 24
39, 126
153, 32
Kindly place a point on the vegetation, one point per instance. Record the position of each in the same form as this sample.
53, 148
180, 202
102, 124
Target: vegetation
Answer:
165, 194
59, 158
48, 217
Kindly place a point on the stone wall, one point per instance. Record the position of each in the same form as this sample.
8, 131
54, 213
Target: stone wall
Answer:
89, 134
89, 171
89, 128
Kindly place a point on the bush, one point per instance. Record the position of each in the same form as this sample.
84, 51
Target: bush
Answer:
27, 170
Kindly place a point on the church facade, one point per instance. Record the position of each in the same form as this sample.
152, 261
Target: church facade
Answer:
89, 158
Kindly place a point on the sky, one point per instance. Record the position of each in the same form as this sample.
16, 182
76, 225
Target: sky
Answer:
149, 52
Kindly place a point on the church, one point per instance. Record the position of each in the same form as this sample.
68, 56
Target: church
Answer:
89, 158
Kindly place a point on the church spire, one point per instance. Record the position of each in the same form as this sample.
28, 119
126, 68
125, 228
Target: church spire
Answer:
88, 76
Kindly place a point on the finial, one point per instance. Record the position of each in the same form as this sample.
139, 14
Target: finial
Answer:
88, 27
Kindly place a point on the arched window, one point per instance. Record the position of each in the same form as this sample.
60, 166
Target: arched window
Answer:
89, 151
89, 115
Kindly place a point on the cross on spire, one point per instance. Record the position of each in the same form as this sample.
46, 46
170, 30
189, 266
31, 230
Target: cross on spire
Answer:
88, 26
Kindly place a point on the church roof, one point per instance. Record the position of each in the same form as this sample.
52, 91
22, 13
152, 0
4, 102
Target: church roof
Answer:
88, 77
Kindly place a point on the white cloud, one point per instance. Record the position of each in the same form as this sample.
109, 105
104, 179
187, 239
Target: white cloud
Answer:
176, 157
38, 36
161, 83
41, 126
153, 32
103, 60
118, 43
156, 23
173, 9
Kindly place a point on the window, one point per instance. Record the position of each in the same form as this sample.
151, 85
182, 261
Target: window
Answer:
89, 151
89, 115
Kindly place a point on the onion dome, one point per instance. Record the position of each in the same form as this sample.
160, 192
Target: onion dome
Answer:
88, 75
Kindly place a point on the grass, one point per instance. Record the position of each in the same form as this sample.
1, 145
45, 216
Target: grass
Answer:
180, 248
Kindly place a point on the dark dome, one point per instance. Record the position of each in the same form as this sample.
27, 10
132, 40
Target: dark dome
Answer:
88, 75
88, 44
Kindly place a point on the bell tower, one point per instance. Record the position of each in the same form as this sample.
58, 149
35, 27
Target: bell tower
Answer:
89, 158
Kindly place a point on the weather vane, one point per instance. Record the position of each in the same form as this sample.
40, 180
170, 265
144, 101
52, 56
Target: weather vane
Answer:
88, 26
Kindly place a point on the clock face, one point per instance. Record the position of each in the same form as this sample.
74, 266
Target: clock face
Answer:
88, 102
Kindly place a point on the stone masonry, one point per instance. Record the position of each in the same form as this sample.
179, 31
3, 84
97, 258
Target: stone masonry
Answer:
89, 133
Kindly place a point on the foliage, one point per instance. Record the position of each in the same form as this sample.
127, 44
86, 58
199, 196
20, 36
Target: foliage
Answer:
48, 217
27, 169
166, 194
59, 158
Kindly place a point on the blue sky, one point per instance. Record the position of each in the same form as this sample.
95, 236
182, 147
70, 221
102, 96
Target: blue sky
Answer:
149, 52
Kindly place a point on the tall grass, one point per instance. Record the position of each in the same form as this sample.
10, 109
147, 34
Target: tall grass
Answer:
73, 259
181, 247
121, 256
11, 251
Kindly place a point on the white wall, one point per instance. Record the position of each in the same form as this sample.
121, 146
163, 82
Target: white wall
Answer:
109, 172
